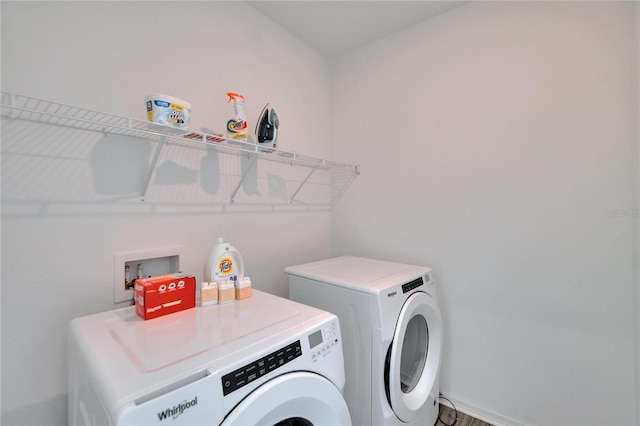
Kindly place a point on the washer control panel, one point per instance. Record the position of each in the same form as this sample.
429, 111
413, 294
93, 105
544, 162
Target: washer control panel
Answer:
322, 341
256, 369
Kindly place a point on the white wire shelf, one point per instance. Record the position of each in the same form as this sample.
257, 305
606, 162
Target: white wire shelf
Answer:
338, 175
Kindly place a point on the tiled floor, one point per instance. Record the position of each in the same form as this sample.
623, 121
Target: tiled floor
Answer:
448, 418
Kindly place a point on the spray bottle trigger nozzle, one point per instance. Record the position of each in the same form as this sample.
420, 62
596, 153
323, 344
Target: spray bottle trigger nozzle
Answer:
235, 97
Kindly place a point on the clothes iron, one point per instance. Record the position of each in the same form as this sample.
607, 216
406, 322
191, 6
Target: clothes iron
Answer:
267, 127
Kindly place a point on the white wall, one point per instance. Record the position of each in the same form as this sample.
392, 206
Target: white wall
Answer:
494, 140
498, 145
57, 257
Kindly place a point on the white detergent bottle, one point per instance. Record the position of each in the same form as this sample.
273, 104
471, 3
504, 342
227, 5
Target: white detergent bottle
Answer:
224, 262
237, 128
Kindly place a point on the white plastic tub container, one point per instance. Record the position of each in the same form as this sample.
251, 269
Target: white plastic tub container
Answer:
167, 110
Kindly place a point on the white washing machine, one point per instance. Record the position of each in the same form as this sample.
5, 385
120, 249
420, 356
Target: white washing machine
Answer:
392, 332
259, 361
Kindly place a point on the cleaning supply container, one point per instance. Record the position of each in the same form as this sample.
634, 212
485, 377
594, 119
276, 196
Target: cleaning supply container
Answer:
167, 110
224, 262
208, 293
226, 292
237, 129
243, 288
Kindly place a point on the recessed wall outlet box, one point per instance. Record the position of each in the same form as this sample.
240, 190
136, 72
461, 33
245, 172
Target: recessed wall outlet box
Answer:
146, 263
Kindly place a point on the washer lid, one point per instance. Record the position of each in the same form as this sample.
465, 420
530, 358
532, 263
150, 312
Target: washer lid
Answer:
131, 358
158, 343
358, 273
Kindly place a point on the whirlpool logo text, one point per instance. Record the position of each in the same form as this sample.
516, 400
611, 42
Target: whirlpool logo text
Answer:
173, 413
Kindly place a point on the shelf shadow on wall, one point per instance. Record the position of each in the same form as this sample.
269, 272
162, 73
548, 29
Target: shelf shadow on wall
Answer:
210, 172
57, 170
117, 164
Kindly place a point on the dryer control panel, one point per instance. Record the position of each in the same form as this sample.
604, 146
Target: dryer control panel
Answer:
256, 369
412, 285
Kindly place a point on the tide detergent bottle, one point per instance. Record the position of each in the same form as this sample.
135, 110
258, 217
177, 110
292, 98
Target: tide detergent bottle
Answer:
224, 262
237, 129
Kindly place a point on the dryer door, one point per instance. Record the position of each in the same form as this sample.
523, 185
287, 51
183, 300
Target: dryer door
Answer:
298, 398
414, 356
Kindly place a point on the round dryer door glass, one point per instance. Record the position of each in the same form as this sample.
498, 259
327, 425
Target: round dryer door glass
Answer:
414, 353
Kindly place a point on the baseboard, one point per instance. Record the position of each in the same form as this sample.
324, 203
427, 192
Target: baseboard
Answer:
480, 413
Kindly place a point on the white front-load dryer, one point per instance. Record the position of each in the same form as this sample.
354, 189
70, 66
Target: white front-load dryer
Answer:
264, 360
392, 330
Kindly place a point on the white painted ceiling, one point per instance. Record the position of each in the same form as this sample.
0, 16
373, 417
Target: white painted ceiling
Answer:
335, 27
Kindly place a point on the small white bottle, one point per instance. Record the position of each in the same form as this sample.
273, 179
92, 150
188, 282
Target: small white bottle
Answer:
226, 292
243, 288
208, 293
